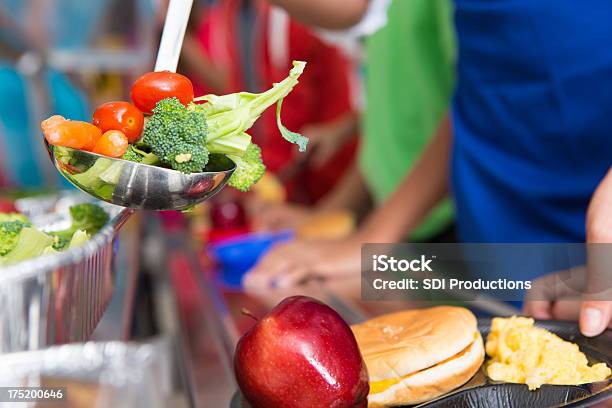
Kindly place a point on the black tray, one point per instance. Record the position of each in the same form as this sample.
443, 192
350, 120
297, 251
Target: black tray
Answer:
482, 392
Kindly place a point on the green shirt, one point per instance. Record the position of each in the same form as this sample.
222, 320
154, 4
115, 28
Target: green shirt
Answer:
409, 81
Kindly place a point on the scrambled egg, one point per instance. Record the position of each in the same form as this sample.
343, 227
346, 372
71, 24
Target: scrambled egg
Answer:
525, 354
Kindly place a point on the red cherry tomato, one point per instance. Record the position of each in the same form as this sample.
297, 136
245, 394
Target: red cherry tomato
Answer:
113, 143
121, 116
155, 86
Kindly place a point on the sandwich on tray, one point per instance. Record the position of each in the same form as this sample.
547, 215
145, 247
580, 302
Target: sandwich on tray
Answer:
417, 355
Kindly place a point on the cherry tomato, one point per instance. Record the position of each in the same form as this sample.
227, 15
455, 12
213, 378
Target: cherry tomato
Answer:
70, 133
113, 143
155, 86
121, 116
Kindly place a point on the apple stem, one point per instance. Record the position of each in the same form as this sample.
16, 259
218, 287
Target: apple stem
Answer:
247, 312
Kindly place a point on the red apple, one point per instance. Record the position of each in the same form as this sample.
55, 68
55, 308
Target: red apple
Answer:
301, 355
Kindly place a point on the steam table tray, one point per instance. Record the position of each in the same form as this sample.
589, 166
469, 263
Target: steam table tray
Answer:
482, 392
56, 299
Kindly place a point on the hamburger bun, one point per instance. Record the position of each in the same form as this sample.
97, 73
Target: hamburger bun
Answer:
417, 355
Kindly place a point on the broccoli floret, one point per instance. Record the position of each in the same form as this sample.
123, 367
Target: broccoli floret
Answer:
137, 153
86, 217
9, 234
249, 168
177, 136
133, 155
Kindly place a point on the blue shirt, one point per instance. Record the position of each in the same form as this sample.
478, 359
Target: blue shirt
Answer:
19, 131
532, 117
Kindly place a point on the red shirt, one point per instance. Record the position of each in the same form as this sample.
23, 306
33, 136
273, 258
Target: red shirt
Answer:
323, 93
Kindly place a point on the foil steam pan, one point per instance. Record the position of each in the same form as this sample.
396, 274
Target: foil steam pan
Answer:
104, 374
60, 298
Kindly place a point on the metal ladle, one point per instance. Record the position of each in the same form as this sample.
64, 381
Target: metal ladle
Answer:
141, 186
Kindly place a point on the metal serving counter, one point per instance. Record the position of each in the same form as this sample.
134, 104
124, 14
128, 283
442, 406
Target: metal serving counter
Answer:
212, 319
91, 297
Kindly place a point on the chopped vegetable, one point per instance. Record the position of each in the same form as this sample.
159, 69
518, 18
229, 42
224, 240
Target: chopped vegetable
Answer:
137, 153
9, 234
233, 114
90, 178
249, 168
236, 145
183, 141
121, 116
87, 217
113, 143
30, 244
79, 238
290, 136
101, 178
182, 132
19, 240
70, 133
153, 87
177, 136
48, 251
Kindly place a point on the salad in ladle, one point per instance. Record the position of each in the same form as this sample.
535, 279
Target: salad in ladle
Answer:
166, 126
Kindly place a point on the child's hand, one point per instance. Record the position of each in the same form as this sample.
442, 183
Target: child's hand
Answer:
295, 262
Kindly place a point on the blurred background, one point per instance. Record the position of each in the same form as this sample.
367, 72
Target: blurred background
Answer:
63, 57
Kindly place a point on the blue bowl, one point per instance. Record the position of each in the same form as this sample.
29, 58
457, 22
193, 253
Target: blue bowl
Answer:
237, 255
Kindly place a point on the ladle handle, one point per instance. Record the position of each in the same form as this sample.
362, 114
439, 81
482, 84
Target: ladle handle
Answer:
172, 37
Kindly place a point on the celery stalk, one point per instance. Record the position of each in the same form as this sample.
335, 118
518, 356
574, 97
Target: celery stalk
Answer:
231, 115
236, 145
